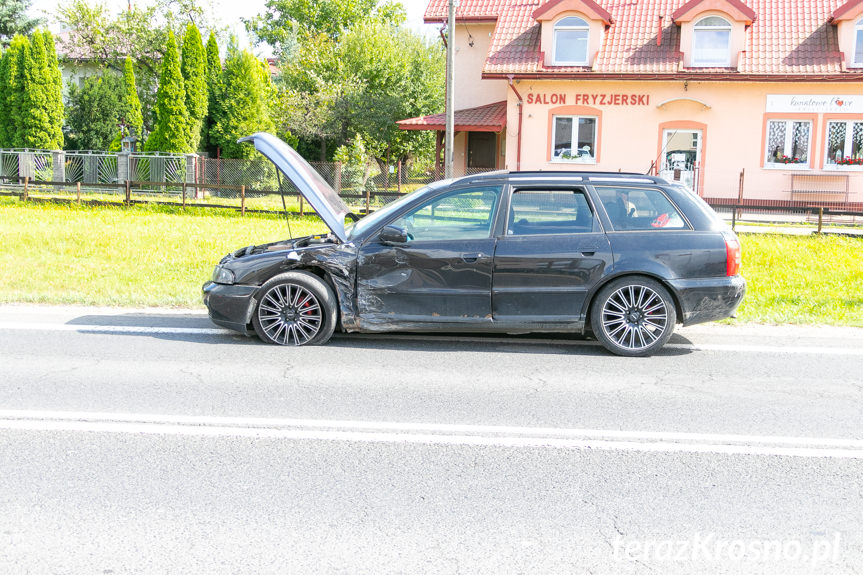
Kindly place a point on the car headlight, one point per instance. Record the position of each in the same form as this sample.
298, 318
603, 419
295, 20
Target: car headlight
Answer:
222, 275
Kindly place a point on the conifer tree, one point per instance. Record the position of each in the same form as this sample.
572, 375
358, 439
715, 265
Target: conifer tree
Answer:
241, 105
134, 118
214, 79
4, 89
170, 134
41, 123
56, 110
194, 67
18, 96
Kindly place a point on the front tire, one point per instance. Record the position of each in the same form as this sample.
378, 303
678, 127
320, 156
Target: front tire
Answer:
633, 317
295, 308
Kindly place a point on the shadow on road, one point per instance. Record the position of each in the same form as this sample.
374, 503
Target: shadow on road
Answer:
535, 343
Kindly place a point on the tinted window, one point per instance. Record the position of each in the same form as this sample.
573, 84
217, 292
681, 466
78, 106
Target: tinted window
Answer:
535, 212
632, 208
463, 215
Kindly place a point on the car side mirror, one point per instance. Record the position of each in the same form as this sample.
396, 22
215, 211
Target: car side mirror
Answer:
394, 235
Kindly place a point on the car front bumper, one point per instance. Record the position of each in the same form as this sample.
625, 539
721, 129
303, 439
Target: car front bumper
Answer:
710, 299
230, 306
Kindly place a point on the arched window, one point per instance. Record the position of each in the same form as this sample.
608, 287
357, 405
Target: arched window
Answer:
711, 43
570, 42
858, 43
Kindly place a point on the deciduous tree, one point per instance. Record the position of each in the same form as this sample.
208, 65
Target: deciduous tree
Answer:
284, 21
94, 110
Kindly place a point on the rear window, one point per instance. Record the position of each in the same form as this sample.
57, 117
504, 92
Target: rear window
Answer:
635, 208
542, 212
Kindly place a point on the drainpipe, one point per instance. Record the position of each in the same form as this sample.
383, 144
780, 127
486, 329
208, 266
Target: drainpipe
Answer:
518, 136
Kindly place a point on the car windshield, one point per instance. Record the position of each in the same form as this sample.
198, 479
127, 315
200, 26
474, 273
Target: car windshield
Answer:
375, 218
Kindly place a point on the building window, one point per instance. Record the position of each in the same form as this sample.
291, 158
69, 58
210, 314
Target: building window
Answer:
574, 139
858, 44
788, 143
711, 44
844, 144
570, 42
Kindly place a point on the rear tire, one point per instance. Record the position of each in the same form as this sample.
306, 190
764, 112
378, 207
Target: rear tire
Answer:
633, 316
295, 308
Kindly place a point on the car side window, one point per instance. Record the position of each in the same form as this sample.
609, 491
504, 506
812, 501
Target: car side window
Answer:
541, 212
463, 215
632, 208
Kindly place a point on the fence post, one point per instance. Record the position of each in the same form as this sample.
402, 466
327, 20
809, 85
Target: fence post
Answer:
820, 219
123, 166
338, 178
399, 180
128, 193
368, 201
78, 185
26, 165
740, 191
301, 205
26, 187
58, 162
184, 195
191, 172
243, 200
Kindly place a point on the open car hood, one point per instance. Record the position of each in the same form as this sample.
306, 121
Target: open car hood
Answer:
322, 197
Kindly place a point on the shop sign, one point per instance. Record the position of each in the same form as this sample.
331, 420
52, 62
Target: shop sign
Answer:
562, 99
817, 104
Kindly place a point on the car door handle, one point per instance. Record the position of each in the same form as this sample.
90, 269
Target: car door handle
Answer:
471, 258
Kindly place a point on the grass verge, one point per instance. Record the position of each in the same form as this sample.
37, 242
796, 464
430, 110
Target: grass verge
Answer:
160, 256
802, 279
139, 256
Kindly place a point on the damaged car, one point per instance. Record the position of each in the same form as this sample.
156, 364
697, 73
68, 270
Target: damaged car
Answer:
624, 257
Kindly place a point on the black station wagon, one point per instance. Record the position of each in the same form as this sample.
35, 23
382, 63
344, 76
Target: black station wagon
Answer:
622, 256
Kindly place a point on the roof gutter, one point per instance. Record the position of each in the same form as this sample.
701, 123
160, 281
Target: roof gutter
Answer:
518, 135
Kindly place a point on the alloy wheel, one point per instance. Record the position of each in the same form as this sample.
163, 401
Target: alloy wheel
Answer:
634, 317
290, 314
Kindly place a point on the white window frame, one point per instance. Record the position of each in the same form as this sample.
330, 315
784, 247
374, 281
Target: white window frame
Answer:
848, 147
700, 26
858, 45
787, 147
561, 27
574, 138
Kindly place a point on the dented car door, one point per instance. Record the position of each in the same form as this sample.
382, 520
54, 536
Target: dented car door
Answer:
439, 272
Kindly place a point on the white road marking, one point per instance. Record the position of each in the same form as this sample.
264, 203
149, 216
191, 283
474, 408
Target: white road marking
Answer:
145, 330
431, 433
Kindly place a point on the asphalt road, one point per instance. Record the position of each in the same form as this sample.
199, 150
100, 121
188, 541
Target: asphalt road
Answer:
153, 442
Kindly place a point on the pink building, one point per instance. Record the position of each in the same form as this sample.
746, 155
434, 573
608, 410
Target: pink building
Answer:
763, 96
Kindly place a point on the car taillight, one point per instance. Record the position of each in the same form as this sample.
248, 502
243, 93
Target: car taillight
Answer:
732, 254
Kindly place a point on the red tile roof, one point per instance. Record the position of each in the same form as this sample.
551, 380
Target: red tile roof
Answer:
488, 118
789, 39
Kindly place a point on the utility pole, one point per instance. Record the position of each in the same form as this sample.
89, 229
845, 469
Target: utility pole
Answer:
450, 89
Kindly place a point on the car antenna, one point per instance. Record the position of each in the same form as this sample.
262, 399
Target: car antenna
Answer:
284, 205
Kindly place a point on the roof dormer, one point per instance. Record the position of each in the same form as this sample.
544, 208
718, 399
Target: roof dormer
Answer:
572, 31
848, 19
713, 32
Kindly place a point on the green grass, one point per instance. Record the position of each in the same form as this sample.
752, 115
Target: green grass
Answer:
802, 279
140, 256
160, 256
